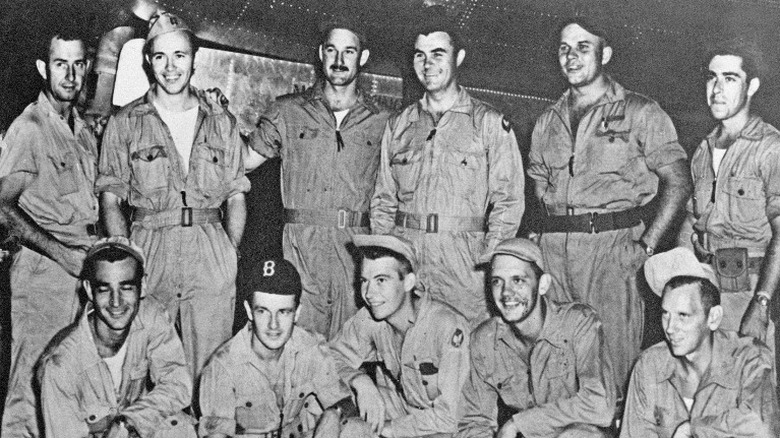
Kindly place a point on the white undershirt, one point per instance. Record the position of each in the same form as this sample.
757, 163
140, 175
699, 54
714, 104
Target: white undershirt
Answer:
182, 127
340, 117
115, 363
717, 158
688, 403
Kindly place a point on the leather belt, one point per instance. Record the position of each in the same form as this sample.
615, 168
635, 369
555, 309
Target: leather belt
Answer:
593, 222
433, 223
326, 218
183, 217
754, 263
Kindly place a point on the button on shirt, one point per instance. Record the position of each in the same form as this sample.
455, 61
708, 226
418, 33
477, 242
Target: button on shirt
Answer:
564, 378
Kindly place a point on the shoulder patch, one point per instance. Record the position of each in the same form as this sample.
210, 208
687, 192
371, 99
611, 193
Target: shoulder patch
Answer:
457, 338
505, 124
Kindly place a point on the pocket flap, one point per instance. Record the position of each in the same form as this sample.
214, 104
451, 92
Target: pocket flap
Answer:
731, 262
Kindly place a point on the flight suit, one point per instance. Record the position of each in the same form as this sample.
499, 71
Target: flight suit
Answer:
191, 262
328, 177
735, 213
61, 200
435, 186
237, 399
564, 379
606, 167
736, 396
426, 368
77, 391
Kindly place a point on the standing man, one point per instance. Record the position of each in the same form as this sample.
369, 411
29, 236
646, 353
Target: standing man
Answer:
120, 369
273, 378
328, 138
545, 361
422, 345
175, 156
446, 162
702, 381
597, 156
735, 209
47, 203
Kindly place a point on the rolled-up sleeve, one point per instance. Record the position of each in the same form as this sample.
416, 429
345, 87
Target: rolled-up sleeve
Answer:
217, 400
114, 164
658, 137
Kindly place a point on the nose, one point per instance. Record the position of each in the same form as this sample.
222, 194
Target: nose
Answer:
670, 325
718, 87
116, 298
339, 59
71, 72
273, 323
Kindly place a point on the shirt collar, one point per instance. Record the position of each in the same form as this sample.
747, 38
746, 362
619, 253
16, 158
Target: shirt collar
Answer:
247, 355
753, 130
144, 105
47, 108
463, 105
615, 93
550, 329
317, 93
721, 371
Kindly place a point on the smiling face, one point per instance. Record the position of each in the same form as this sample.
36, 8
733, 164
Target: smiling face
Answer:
115, 292
171, 57
273, 319
64, 71
728, 89
515, 288
582, 55
435, 61
383, 288
686, 325
342, 57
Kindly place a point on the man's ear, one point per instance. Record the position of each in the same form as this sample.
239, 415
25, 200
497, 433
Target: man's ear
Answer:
297, 312
41, 66
753, 86
320, 53
715, 317
248, 309
87, 288
545, 281
410, 281
606, 55
364, 57
461, 57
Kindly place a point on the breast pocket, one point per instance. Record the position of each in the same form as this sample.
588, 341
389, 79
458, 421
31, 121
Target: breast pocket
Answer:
150, 168
465, 170
98, 417
137, 382
611, 150
213, 164
253, 414
746, 199
405, 167
425, 374
66, 169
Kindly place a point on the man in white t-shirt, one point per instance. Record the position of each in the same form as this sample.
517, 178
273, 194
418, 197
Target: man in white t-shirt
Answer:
175, 156
95, 374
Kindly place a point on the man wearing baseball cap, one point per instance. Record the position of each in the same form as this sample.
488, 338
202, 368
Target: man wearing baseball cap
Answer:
702, 381
273, 378
422, 344
95, 374
175, 157
547, 362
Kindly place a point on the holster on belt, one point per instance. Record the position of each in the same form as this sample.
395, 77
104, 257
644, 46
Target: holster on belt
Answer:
731, 267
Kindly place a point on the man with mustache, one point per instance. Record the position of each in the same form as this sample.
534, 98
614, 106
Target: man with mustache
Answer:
546, 361
328, 139
703, 381
175, 157
734, 214
48, 206
598, 155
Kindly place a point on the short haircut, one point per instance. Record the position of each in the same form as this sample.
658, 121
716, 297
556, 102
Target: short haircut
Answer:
752, 57
709, 293
64, 30
111, 254
378, 252
436, 19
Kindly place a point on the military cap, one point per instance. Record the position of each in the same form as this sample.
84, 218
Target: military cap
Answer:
523, 249
165, 22
393, 243
678, 262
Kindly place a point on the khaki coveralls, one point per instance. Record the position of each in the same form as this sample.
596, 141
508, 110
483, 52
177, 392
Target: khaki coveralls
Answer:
426, 368
735, 398
237, 399
567, 380
77, 391
435, 185
606, 166
326, 190
191, 263
61, 200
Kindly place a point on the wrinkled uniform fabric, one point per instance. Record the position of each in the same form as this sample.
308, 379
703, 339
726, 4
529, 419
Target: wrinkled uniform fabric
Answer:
190, 270
236, 397
61, 200
567, 381
425, 368
465, 165
736, 396
747, 198
316, 175
619, 144
77, 391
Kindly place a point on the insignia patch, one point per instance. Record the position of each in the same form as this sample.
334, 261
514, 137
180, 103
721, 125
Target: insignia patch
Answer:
457, 338
505, 124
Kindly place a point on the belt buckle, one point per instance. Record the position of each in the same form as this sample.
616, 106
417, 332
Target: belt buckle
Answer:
432, 223
186, 216
342, 220
592, 222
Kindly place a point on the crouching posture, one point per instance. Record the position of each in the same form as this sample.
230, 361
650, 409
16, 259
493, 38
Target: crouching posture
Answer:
421, 344
120, 370
547, 362
703, 381
273, 378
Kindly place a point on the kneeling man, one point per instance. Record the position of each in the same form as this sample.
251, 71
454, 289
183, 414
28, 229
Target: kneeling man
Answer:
96, 374
703, 381
421, 344
273, 378
545, 361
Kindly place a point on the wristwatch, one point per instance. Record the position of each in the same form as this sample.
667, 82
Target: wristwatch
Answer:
649, 250
762, 298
